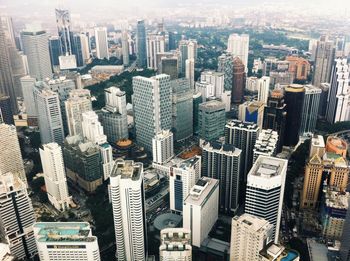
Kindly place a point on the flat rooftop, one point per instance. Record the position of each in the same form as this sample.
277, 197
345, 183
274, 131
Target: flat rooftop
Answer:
127, 169
201, 191
253, 223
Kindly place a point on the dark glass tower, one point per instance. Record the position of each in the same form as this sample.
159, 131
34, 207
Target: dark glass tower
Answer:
6, 114
77, 50
55, 48
141, 44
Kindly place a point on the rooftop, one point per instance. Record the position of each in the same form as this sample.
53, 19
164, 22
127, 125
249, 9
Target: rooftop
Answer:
227, 149
253, 223
241, 125
335, 199
127, 169
201, 191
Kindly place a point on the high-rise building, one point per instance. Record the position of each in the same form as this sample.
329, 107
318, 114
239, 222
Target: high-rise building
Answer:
263, 89
125, 48
55, 48
79, 101
299, 67
225, 65
63, 21
223, 162
189, 64
17, 216
35, 46
182, 109
197, 100
252, 111
266, 144
101, 43
28, 84
155, 44
325, 54
78, 48
6, 114
322, 109
18, 69
169, 66
68, 241
242, 135
10, 156
175, 244
188, 50
55, 176
265, 191
339, 93
211, 120
249, 235
275, 113
163, 147
152, 104
294, 99
183, 176
317, 146
238, 46
238, 80
141, 44
216, 79
114, 115
49, 115
344, 250
129, 213
200, 210
310, 110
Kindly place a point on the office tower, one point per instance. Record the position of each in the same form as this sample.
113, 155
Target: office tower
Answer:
6, 79
77, 49
125, 47
82, 160
141, 44
18, 69
225, 65
197, 100
183, 176
322, 109
55, 48
299, 67
93, 131
49, 115
101, 43
174, 38
206, 89
275, 113
265, 191
7, 26
17, 216
344, 251
152, 103
238, 80
28, 84
238, 46
337, 145
63, 21
211, 120
79, 101
266, 144
242, 135
249, 235
114, 115
168, 63
294, 99
312, 48
252, 84
281, 78
310, 110
66, 241
223, 162
55, 176
324, 58
333, 213
339, 93
200, 209
317, 146
155, 43
129, 213
175, 244
226, 99
35, 46
188, 50
216, 79
10, 156
190, 71
85, 46
163, 147
263, 89
6, 114
252, 111
182, 109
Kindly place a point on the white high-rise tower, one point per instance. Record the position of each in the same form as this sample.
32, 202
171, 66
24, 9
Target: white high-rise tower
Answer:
238, 46
101, 43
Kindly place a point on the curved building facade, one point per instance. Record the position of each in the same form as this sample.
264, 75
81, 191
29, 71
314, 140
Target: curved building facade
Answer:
238, 80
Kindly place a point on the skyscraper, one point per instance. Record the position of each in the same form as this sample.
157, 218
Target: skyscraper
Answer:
325, 54
55, 48
344, 250
129, 213
252, 111
28, 84
141, 44
175, 244
265, 191
310, 110
101, 43
63, 21
266, 144
17, 216
217, 80
35, 46
238, 46
238, 80
155, 43
55, 176
6, 114
223, 162
263, 89
169, 64
66, 241
225, 65
249, 235
188, 50
152, 103
189, 74
125, 47
211, 120
10, 156
49, 115
163, 147
294, 99
183, 176
339, 93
